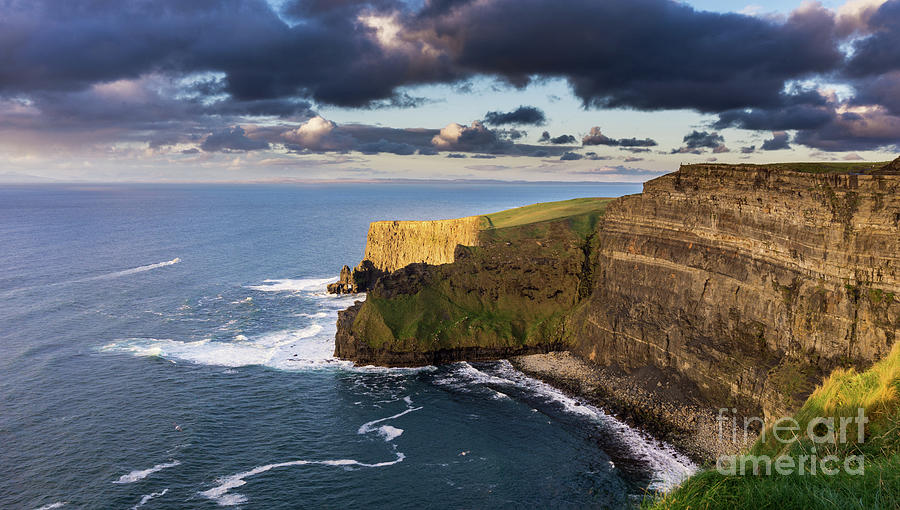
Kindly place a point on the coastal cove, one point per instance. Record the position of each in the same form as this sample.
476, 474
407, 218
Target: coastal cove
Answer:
138, 308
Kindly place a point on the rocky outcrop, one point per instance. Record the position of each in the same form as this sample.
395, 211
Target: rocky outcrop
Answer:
360, 279
746, 283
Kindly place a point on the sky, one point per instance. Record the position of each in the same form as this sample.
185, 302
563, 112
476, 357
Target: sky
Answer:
580, 90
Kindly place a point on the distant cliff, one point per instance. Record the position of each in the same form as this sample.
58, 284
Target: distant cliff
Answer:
747, 282
391, 245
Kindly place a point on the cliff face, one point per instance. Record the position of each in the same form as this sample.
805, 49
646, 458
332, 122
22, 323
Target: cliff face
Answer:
751, 282
745, 283
391, 245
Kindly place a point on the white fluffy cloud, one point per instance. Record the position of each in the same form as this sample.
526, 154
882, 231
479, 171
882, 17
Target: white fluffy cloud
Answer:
312, 132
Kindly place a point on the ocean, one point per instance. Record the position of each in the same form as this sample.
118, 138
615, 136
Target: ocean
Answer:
170, 346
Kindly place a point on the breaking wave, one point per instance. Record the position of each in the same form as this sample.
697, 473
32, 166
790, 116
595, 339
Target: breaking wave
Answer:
286, 349
294, 285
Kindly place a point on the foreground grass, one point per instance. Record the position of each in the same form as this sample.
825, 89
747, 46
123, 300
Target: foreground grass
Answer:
841, 395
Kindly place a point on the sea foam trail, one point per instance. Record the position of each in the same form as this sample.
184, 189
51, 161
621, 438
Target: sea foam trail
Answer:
135, 476
51, 506
388, 432
148, 497
107, 276
669, 468
220, 493
139, 269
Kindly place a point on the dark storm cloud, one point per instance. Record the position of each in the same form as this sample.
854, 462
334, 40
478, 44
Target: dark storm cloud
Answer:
319, 135
677, 57
228, 59
557, 140
571, 156
523, 115
478, 138
232, 139
878, 52
384, 146
596, 137
882, 90
698, 139
780, 140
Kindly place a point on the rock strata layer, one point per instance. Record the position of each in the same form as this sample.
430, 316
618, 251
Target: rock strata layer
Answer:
751, 282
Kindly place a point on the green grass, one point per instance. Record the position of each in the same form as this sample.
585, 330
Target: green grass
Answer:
875, 390
820, 167
546, 211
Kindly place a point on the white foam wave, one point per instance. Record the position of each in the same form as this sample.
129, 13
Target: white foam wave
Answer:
148, 497
135, 476
669, 467
317, 315
139, 269
287, 349
58, 504
294, 285
220, 493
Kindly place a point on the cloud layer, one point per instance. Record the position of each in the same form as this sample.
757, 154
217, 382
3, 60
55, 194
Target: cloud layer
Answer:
169, 72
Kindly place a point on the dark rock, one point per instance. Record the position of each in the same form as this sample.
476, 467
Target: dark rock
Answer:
361, 279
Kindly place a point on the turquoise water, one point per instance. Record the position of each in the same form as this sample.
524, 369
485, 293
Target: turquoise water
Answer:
128, 310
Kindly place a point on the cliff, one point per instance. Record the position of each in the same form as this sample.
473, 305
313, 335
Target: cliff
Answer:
746, 283
507, 293
752, 282
391, 245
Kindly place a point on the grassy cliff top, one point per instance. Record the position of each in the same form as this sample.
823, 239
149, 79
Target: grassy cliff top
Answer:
546, 211
877, 391
843, 167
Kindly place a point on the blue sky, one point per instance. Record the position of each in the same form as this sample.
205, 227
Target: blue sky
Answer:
374, 89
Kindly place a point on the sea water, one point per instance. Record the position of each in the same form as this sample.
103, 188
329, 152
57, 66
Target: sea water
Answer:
170, 346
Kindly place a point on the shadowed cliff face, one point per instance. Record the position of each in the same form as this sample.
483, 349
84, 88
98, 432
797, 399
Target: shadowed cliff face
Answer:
753, 283
508, 295
749, 282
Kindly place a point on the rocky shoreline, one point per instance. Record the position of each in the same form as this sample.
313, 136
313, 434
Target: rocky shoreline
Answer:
649, 400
